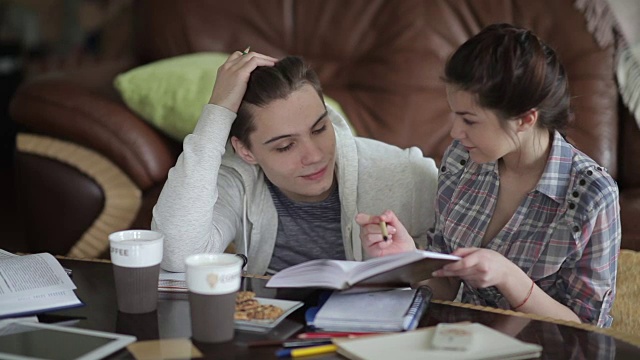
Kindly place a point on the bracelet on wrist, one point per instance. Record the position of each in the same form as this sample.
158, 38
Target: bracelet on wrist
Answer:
526, 298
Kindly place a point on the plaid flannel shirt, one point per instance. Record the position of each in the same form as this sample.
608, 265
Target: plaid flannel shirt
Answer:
565, 234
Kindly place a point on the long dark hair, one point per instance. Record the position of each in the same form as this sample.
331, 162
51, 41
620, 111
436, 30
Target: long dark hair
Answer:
511, 71
269, 83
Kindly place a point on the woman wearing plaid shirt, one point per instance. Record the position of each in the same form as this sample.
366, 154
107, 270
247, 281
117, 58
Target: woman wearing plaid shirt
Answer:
535, 220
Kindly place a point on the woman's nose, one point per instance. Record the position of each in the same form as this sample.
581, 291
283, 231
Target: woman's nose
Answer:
456, 130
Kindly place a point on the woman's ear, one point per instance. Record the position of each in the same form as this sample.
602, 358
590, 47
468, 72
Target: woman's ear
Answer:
528, 120
243, 151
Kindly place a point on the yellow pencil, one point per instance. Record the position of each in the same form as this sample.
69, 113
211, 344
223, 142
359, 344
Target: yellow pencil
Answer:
307, 351
385, 233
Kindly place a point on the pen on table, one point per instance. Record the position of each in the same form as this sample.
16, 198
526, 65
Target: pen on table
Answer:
385, 233
307, 351
320, 335
291, 343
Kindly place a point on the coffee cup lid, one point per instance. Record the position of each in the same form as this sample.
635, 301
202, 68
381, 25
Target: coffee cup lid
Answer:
136, 248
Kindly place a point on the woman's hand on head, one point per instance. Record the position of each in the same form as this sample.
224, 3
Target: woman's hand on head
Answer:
480, 268
232, 78
398, 239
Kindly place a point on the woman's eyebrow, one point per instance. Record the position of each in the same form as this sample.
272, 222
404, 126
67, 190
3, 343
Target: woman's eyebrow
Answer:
276, 138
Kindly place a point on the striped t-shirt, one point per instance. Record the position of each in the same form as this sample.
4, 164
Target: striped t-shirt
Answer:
306, 231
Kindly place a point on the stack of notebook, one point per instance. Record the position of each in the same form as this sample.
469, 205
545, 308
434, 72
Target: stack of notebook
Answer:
372, 311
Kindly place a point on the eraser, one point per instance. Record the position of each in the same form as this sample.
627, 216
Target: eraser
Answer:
452, 337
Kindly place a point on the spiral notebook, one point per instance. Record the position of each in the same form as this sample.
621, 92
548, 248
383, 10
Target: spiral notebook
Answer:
372, 311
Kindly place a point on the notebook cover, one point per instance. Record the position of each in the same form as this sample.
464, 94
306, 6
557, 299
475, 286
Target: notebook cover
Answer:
487, 344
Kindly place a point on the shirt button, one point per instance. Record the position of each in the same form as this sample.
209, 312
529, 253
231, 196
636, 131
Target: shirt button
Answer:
589, 172
575, 194
443, 169
572, 206
463, 161
576, 228
583, 182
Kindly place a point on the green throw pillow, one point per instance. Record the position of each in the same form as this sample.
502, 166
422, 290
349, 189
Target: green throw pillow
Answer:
170, 93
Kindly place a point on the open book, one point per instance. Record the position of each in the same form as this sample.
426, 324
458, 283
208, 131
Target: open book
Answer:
33, 284
397, 270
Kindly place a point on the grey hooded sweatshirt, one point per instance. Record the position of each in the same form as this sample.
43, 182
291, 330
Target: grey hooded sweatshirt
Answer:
213, 198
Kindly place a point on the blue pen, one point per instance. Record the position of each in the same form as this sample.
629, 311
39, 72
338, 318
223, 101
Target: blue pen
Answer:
305, 342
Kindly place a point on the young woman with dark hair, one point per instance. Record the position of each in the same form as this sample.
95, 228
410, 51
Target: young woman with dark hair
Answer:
535, 220
277, 173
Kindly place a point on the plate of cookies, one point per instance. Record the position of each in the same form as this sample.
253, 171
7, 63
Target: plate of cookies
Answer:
261, 314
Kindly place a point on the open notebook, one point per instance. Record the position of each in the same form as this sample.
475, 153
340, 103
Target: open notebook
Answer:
486, 343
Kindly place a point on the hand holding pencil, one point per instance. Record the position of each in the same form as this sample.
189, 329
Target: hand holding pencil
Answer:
383, 234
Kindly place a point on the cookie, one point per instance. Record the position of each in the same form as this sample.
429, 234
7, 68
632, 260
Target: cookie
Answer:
266, 312
244, 295
248, 308
241, 315
247, 305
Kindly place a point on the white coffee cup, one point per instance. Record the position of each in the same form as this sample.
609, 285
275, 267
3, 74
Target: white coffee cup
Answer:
213, 281
136, 257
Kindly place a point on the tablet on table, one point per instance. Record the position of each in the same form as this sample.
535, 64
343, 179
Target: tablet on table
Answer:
28, 340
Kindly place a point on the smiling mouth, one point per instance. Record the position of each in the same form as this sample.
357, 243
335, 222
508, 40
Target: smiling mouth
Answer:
316, 175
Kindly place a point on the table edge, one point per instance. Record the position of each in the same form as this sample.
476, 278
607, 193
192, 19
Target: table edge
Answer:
619, 335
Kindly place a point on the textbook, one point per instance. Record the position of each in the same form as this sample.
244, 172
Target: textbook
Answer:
397, 270
372, 311
33, 284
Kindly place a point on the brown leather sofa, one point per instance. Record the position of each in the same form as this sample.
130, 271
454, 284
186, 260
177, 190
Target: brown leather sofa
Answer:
87, 165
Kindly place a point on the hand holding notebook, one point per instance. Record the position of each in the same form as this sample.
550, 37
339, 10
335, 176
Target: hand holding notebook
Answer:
397, 270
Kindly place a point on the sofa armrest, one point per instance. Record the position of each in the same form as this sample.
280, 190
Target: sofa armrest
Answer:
83, 107
86, 165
